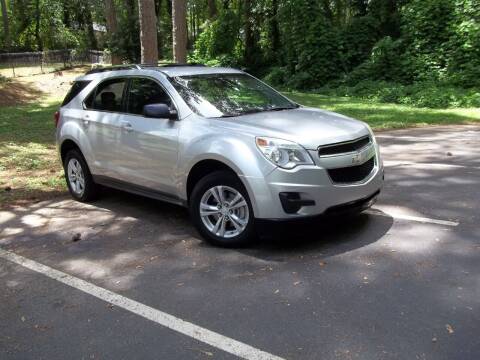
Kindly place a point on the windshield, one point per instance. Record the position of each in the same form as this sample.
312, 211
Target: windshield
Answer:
225, 95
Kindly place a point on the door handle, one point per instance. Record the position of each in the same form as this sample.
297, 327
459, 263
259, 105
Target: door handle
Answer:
127, 126
86, 121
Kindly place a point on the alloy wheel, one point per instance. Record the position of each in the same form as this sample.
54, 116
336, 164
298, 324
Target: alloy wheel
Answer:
76, 177
224, 211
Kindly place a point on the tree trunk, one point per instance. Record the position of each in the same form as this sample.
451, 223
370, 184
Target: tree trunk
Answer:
148, 31
160, 40
275, 32
38, 38
111, 16
179, 20
212, 9
249, 36
92, 40
6, 25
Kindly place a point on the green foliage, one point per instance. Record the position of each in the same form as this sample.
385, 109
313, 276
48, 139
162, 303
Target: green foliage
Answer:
422, 94
298, 44
313, 56
386, 116
220, 43
277, 76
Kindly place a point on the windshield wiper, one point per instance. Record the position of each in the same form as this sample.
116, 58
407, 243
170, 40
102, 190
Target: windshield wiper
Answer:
284, 108
246, 112
255, 111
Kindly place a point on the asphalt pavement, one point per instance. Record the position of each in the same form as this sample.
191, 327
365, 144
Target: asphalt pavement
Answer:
129, 278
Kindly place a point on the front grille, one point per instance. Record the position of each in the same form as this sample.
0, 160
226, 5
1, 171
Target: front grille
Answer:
344, 147
352, 174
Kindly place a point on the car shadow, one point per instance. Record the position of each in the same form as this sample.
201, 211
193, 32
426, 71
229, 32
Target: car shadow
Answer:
321, 235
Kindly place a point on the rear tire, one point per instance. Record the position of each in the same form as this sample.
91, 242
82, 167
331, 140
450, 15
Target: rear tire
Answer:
228, 222
79, 179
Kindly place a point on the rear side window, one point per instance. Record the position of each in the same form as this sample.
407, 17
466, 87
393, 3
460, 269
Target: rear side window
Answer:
74, 91
108, 96
145, 92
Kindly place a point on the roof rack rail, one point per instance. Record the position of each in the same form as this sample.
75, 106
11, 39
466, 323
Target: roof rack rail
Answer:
179, 64
113, 68
138, 67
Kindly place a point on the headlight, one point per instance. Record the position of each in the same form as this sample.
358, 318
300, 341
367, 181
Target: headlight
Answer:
283, 153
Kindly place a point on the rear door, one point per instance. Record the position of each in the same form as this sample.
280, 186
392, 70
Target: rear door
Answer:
103, 121
149, 145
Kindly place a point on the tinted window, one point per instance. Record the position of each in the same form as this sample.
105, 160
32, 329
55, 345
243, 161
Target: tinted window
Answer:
74, 91
108, 96
144, 92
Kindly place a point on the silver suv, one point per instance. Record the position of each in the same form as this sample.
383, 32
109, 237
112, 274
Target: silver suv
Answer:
218, 141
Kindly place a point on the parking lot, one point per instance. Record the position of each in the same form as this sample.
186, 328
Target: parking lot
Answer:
128, 277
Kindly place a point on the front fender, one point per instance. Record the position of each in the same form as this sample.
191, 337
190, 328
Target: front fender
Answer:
238, 152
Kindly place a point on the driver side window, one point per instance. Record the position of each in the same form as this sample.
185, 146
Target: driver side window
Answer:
143, 92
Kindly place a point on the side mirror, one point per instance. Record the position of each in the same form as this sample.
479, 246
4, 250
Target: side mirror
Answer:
159, 111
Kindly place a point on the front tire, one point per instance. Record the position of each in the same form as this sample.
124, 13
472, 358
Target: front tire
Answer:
221, 210
79, 179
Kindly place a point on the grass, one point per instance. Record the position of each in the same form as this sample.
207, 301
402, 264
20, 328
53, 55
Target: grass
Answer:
30, 168
387, 116
29, 165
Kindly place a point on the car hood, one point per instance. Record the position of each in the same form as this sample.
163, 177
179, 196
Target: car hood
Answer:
308, 127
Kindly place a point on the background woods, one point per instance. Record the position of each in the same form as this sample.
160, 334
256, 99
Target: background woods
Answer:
392, 50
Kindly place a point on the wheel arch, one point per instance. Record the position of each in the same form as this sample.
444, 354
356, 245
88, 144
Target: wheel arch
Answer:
66, 146
203, 168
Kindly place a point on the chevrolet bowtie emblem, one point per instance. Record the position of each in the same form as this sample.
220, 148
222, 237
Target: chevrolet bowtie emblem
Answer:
356, 159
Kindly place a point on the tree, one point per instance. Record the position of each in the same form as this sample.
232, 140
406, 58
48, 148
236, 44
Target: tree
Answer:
212, 8
179, 20
111, 17
148, 31
37, 26
249, 56
6, 25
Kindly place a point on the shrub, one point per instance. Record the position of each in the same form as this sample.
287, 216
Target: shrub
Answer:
420, 94
277, 76
219, 43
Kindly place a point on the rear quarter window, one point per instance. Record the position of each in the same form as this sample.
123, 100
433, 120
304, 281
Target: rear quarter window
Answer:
74, 91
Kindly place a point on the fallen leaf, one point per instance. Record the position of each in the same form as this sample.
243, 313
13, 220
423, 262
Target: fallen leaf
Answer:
449, 328
277, 291
322, 263
76, 237
297, 282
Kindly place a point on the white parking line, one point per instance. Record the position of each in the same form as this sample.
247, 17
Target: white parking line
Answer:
421, 165
400, 216
194, 331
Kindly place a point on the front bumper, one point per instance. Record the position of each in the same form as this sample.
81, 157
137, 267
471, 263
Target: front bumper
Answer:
314, 186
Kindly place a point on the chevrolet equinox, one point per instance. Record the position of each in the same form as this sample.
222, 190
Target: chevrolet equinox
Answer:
216, 140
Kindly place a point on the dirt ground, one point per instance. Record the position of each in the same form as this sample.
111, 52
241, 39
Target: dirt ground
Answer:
27, 89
